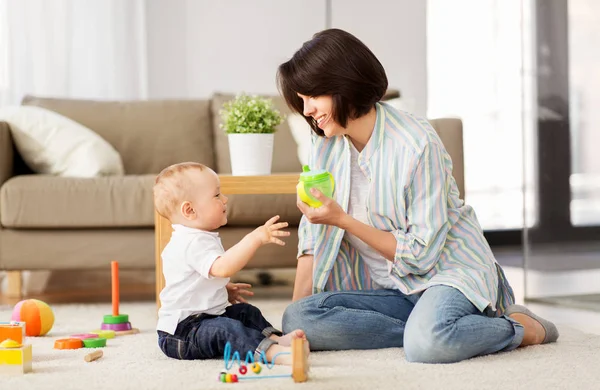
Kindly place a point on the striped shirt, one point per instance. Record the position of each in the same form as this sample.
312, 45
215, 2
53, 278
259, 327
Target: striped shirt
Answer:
413, 195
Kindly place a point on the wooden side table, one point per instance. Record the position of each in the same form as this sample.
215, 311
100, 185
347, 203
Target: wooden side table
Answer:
270, 184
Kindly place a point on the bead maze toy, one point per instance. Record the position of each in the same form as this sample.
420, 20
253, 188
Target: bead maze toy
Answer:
15, 357
299, 364
116, 321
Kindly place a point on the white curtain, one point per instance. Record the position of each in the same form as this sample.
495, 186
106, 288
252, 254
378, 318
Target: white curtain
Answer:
72, 48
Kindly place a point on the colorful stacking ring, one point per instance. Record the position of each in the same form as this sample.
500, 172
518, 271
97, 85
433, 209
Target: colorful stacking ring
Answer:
94, 343
68, 344
105, 334
118, 319
83, 336
116, 327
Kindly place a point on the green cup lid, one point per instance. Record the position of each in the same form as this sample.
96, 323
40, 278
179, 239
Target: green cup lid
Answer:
314, 175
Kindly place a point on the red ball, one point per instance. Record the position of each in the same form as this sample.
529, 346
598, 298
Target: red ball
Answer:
243, 370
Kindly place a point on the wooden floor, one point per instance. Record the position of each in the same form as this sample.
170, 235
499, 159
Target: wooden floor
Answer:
138, 292
94, 287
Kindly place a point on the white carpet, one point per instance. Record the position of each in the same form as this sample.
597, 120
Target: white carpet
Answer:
135, 362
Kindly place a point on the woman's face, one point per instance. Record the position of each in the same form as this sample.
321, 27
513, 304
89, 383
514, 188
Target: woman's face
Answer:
321, 109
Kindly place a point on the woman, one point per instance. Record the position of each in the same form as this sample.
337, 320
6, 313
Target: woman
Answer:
395, 258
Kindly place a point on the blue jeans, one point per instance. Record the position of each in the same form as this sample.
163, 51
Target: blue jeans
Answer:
203, 336
438, 326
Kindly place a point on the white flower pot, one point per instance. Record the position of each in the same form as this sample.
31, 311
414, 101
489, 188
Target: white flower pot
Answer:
251, 154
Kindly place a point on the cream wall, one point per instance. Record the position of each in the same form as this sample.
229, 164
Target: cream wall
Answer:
198, 47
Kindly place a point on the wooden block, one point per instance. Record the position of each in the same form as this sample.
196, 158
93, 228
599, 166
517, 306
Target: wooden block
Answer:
299, 361
90, 357
126, 332
16, 360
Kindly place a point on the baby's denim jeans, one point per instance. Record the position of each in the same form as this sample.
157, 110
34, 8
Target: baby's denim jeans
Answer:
203, 336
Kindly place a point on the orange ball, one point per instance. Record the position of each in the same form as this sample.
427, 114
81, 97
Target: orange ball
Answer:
37, 315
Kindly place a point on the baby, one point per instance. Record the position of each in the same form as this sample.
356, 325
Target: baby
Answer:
199, 313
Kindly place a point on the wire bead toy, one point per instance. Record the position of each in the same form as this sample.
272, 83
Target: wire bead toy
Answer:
299, 364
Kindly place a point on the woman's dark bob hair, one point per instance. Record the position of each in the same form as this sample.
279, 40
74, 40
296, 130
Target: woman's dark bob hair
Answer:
336, 63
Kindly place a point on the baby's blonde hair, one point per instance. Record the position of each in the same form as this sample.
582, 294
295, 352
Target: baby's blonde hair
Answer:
171, 187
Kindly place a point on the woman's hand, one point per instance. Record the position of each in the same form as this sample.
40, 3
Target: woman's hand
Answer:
236, 291
330, 213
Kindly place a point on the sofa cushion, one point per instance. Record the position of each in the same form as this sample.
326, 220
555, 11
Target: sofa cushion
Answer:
43, 201
56, 145
450, 131
149, 135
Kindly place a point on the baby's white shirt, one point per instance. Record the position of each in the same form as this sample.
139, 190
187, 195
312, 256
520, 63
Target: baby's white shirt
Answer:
189, 289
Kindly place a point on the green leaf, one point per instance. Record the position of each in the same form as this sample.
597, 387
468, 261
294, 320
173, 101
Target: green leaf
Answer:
249, 114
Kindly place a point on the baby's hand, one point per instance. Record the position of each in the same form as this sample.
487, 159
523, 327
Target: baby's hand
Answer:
268, 233
236, 291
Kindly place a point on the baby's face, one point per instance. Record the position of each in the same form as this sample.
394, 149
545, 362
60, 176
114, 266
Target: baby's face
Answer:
208, 202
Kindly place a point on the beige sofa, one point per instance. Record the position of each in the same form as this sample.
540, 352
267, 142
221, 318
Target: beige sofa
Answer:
54, 223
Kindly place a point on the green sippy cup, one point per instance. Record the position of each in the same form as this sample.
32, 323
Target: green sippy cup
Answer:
319, 179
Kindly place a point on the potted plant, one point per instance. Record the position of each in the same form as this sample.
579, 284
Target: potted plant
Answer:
250, 123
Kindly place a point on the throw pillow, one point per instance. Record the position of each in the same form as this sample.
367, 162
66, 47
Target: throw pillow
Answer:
53, 144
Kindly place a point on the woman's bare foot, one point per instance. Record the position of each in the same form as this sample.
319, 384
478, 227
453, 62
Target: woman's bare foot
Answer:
286, 339
534, 331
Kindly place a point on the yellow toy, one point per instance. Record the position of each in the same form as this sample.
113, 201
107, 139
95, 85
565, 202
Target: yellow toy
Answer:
15, 358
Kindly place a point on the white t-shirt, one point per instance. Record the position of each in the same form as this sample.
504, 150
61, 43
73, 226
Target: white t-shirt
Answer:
189, 289
379, 266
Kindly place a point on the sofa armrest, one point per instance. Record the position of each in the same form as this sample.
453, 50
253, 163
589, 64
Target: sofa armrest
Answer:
6, 153
450, 131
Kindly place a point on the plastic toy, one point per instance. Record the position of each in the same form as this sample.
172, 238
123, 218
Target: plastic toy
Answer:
115, 321
15, 358
319, 179
13, 330
36, 314
105, 334
68, 344
84, 336
299, 364
98, 342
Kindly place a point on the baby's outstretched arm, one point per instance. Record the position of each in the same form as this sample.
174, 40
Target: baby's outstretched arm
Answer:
238, 255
